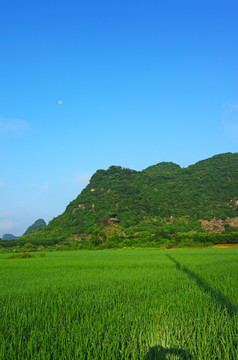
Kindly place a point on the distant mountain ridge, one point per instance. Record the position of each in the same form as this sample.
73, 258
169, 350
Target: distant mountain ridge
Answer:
123, 199
38, 224
9, 237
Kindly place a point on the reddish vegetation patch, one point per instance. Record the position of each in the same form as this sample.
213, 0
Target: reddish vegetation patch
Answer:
110, 229
225, 246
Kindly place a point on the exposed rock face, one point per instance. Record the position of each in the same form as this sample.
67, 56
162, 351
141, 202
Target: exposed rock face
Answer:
111, 219
218, 226
80, 206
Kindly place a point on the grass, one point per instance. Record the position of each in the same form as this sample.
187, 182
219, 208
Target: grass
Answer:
124, 304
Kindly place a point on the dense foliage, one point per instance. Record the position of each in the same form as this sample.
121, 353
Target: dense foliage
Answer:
152, 205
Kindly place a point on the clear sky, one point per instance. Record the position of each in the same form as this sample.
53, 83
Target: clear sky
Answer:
89, 84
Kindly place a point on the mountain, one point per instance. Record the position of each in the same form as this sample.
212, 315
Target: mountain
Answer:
9, 237
162, 199
38, 224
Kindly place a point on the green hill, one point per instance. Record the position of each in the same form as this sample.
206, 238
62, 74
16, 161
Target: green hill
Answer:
9, 237
160, 201
38, 224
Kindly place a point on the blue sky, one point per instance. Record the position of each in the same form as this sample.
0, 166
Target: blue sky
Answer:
89, 84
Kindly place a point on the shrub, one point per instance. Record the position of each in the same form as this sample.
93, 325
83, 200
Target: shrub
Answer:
25, 256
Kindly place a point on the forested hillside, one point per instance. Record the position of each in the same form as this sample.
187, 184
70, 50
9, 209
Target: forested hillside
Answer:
159, 202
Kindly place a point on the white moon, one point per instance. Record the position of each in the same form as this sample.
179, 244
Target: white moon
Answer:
60, 102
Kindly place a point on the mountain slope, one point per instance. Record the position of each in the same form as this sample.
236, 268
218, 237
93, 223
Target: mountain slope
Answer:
124, 198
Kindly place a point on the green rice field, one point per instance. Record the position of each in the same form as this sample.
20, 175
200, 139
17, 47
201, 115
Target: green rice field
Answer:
120, 304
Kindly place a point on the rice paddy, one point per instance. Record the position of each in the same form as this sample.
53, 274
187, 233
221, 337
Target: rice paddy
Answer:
120, 304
